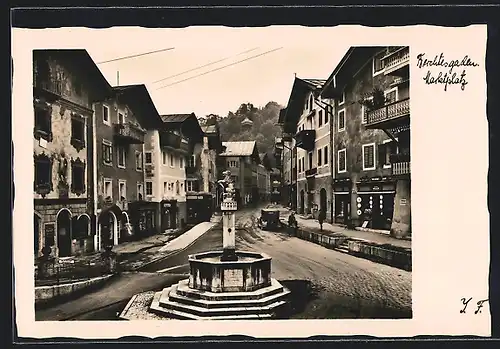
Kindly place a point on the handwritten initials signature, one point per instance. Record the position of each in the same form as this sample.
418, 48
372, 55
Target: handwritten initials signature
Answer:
466, 301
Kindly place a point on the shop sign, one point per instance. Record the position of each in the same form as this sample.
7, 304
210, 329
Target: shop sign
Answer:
50, 230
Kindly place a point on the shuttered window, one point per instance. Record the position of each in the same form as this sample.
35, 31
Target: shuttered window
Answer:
368, 156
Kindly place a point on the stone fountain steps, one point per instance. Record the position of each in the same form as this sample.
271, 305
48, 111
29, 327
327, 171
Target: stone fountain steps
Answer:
260, 304
172, 295
183, 289
186, 315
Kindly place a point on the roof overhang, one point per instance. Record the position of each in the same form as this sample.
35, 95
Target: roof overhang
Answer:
139, 100
348, 66
295, 104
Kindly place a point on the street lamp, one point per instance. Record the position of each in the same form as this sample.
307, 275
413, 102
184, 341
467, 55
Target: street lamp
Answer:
281, 145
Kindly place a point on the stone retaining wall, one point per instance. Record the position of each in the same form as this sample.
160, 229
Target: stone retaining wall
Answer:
382, 253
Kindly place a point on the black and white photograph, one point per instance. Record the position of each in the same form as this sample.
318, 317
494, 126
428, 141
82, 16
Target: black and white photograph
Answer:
224, 178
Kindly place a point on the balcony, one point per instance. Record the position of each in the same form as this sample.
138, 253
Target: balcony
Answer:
174, 142
311, 172
390, 115
396, 60
129, 133
305, 139
400, 164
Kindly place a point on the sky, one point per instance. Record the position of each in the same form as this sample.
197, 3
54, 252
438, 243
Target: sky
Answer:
269, 77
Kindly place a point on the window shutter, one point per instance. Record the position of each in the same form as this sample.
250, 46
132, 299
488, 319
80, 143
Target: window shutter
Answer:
382, 149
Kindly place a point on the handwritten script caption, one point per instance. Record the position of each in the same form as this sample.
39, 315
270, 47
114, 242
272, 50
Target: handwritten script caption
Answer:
466, 301
446, 74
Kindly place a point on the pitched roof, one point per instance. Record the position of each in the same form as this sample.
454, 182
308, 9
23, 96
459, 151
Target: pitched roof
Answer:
240, 148
175, 117
315, 83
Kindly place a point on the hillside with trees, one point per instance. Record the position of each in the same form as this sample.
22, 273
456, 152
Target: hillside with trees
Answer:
264, 128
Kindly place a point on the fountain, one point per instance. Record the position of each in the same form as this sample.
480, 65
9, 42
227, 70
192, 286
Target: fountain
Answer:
223, 285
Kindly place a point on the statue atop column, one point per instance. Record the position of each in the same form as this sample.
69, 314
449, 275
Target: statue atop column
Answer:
228, 208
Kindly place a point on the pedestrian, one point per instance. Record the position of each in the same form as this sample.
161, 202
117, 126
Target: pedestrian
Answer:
292, 223
321, 218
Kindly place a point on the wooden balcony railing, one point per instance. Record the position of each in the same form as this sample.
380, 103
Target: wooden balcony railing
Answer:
396, 60
129, 132
174, 141
388, 112
400, 164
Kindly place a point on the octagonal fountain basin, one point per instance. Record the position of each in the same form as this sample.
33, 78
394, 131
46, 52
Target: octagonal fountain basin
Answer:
250, 272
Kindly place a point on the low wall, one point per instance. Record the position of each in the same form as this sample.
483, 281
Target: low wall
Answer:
382, 253
49, 294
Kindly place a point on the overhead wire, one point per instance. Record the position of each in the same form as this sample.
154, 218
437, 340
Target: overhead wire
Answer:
136, 55
219, 68
205, 65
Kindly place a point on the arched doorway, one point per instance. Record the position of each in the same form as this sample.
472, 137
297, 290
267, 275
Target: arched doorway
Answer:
125, 229
36, 225
81, 231
322, 200
302, 199
64, 233
108, 228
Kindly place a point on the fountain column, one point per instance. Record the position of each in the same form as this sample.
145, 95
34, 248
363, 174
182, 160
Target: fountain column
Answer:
228, 208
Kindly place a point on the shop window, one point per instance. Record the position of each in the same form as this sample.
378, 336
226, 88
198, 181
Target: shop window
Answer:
369, 156
342, 161
107, 152
77, 177
43, 174
341, 120
43, 123
77, 132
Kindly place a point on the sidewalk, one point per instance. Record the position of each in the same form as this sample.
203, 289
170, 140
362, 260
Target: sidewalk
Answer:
313, 225
188, 237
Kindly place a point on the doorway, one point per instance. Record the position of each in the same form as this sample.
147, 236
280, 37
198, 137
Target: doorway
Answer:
107, 225
64, 233
322, 200
302, 199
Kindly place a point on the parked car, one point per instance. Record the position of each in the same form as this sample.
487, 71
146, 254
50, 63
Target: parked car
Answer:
269, 219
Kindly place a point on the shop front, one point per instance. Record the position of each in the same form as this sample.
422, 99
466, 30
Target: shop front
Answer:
342, 193
199, 208
375, 203
169, 209
144, 217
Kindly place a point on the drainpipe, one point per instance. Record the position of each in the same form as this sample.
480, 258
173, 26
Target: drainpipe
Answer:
97, 235
332, 165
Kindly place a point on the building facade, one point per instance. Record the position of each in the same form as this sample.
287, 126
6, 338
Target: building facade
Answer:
65, 85
308, 119
370, 87
119, 139
211, 163
241, 159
